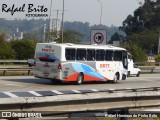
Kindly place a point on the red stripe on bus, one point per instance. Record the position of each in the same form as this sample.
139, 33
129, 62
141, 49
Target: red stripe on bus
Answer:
74, 77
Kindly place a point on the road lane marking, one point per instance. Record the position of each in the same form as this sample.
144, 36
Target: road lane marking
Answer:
34, 93
76, 91
57, 92
94, 90
10, 94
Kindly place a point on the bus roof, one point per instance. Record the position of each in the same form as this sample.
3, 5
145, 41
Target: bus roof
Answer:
94, 46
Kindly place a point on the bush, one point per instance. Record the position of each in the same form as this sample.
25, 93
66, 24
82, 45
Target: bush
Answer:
157, 59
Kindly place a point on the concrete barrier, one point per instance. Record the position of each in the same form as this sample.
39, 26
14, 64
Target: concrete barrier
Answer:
96, 101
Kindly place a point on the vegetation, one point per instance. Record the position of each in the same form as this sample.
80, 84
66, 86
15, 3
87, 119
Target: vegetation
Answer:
116, 37
142, 29
145, 17
23, 49
138, 54
34, 28
157, 58
17, 49
5, 48
70, 36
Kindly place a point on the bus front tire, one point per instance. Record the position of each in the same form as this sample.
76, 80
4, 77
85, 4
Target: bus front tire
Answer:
80, 79
128, 75
138, 74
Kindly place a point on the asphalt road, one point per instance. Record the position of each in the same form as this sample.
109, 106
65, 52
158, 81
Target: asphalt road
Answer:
28, 83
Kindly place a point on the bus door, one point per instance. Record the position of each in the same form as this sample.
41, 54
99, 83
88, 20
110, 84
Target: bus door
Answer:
125, 65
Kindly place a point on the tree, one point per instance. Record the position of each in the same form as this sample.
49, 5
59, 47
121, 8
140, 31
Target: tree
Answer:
70, 36
136, 51
23, 49
142, 28
116, 37
5, 48
145, 17
147, 40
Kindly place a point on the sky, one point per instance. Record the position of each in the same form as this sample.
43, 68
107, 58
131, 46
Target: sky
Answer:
114, 12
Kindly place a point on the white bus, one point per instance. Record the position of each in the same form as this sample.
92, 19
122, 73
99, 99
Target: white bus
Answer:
80, 63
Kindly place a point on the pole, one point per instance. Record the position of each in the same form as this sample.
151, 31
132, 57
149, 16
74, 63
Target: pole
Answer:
50, 20
101, 11
62, 21
44, 33
159, 44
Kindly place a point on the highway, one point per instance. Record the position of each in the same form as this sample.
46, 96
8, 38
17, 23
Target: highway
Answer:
28, 83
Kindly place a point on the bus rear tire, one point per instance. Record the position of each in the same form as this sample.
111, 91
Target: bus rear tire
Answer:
80, 79
115, 80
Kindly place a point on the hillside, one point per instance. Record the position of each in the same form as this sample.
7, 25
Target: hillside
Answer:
35, 28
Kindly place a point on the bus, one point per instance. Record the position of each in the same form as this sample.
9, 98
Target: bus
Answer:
69, 62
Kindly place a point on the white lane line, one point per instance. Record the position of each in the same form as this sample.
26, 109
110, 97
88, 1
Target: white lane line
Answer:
10, 94
76, 91
94, 90
111, 89
128, 88
34, 93
57, 92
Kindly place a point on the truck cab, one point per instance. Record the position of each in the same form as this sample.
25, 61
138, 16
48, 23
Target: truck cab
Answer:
133, 69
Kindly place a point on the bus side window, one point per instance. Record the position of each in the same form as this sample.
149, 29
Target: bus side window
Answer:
81, 54
90, 55
70, 54
100, 55
118, 55
109, 55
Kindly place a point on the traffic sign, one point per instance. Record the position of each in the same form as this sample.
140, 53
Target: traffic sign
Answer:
99, 36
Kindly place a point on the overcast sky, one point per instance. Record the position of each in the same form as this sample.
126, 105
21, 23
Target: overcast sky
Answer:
114, 12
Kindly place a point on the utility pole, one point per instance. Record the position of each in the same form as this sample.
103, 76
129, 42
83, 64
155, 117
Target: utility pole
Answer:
101, 11
49, 29
62, 21
44, 33
159, 43
57, 21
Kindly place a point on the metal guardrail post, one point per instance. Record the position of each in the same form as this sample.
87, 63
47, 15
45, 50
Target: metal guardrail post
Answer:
4, 72
28, 72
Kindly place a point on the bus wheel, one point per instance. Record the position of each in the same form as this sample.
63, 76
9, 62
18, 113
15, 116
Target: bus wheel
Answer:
80, 79
138, 74
128, 74
115, 79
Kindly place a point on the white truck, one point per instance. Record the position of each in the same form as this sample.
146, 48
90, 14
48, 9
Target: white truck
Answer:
133, 69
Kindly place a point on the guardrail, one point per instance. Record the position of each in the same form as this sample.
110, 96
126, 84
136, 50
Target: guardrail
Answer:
5, 69
149, 66
13, 61
152, 66
101, 100
148, 63
13, 69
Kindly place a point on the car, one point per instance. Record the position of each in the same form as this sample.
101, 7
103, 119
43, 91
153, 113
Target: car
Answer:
31, 62
133, 69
